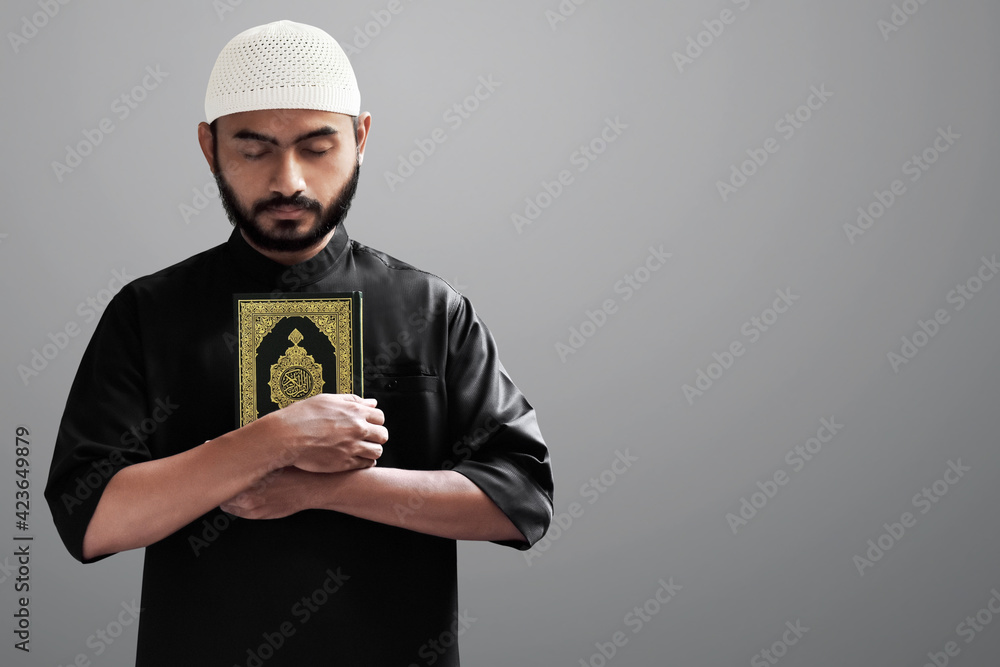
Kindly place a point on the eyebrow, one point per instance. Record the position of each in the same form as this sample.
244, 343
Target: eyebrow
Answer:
257, 136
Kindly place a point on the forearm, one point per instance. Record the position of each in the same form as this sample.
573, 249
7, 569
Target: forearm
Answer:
145, 502
437, 502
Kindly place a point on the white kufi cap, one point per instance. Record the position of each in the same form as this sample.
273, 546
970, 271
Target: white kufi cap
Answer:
282, 65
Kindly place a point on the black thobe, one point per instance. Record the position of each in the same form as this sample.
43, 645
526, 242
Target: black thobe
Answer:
317, 587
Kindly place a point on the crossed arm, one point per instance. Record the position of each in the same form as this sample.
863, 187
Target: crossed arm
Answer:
319, 453
438, 502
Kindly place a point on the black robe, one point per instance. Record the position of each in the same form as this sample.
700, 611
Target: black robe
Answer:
317, 587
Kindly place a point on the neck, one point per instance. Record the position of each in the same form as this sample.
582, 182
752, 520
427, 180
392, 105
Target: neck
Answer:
290, 257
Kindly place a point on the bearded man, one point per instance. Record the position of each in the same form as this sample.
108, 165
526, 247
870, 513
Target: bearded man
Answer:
281, 542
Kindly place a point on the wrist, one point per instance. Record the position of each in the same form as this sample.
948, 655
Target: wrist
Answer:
334, 489
272, 451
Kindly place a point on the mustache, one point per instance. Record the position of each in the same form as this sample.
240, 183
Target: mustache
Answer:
299, 200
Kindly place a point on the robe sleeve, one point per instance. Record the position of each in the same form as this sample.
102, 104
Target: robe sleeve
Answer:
504, 453
100, 432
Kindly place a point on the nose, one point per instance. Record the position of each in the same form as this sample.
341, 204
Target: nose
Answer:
287, 177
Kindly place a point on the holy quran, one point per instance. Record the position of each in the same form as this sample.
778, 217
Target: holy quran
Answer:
294, 346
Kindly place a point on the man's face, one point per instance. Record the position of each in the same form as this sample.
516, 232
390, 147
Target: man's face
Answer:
286, 177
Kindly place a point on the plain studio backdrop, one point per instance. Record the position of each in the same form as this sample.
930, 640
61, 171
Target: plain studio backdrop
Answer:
739, 255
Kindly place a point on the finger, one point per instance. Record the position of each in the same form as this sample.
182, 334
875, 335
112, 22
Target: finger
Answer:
231, 509
238, 499
245, 501
377, 434
360, 463
376, 416
275, 474
368, 450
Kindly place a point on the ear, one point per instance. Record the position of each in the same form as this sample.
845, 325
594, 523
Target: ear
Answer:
205, 140
364, 126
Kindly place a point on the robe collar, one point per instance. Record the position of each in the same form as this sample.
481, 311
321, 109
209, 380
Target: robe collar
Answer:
288, 278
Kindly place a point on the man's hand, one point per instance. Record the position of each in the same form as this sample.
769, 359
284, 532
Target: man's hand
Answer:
280, 493
444, 503
329, 432
147, 501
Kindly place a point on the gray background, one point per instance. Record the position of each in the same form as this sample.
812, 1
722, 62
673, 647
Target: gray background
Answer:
827, 357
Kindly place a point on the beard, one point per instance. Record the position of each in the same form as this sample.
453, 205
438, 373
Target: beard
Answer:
283, 238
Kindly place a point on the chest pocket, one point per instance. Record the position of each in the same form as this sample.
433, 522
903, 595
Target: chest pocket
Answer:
414, 403
379, 386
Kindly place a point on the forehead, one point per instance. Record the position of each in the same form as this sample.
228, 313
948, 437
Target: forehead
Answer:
283, 124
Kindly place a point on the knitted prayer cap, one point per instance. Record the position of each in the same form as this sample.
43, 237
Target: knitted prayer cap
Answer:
282, 65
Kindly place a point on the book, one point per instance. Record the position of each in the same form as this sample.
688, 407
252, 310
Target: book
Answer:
293, 346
